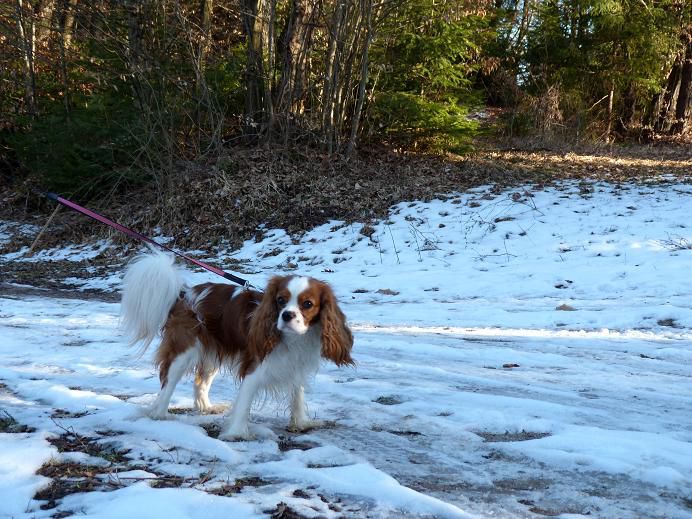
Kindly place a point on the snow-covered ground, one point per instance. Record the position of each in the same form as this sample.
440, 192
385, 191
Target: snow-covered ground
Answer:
522, 353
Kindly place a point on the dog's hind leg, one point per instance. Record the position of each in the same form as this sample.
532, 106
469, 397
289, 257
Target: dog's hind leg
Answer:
171, 370
207, 369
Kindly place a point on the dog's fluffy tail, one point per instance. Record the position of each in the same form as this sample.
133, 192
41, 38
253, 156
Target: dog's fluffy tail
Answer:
151, 286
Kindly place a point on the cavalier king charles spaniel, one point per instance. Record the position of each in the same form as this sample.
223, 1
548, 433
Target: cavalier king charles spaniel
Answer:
271, 341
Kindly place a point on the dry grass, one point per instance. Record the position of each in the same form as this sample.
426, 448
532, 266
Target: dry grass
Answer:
71, 478
73, 442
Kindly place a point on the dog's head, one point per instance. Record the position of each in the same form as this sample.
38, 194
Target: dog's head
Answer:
294, 304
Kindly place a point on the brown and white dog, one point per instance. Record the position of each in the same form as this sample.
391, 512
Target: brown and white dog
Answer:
271, 341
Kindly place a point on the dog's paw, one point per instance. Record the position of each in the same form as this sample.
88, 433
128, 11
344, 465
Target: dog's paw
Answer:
304, 425
156, 413
235, 434
211, 409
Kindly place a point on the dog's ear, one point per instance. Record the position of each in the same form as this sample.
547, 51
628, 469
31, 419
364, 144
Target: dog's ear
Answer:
337, 339
263, 334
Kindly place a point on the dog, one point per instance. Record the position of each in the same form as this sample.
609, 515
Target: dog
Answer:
272, 341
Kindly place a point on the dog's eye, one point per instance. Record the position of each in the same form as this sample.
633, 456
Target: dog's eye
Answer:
280, 301
307, 305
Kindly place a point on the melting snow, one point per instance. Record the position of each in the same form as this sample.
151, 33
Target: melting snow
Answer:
520, 354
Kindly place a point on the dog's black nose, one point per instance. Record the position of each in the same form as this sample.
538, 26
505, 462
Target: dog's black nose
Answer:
287, 316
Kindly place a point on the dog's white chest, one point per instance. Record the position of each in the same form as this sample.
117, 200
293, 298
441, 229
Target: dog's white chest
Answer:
294, 360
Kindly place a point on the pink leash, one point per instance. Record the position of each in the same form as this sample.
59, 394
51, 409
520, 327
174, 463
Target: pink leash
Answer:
146, 239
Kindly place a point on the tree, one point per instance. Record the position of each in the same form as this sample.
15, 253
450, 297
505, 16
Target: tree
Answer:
672, 107
608, 56
683, 106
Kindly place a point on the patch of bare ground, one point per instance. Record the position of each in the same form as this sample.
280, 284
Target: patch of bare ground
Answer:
71, 477
228, 489
7, 422
168, 482
283, 511
213, 430
289, 443
50, 279
63, 413
612, 164
507, 436
335, 504
72, 442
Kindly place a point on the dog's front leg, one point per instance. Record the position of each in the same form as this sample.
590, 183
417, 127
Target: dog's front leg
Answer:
236, 428
299, 418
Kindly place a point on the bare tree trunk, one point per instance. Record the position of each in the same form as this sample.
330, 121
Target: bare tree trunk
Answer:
206, 9
347, 52
43, 14
255, 87
297, 43
275, 107
134, 50
365, 62
524, 25
26, 30
68, 23
671, 110
629, 102
198, 54
683, 106
271, 64
611, 96
66, 31
63, 70
662, 112
331, 76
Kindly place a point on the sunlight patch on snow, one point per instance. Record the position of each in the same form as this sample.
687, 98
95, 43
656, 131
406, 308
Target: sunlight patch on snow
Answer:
519, 332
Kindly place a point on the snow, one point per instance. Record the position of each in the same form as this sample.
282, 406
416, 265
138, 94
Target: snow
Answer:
178, 503
21, 456
69, 252
474, 395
